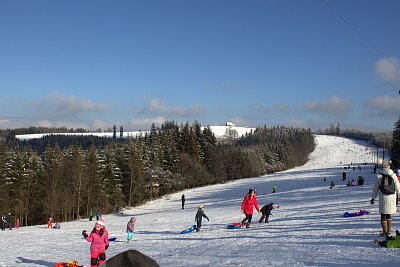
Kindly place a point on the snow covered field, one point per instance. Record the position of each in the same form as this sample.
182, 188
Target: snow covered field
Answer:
308, 229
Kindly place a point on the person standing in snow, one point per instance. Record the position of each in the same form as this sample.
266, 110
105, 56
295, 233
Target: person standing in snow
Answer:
98, 216
99, 239
3, 222
274, 188
9, 220
248, 204
199, 217
90, 215
183, 201
387, 203
130, 227
50, 223
266, 212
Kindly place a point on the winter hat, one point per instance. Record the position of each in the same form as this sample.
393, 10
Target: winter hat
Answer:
384, 163
201, 206
100, 222
250, 191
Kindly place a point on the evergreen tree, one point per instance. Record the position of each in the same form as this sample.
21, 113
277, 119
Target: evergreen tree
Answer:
395, 155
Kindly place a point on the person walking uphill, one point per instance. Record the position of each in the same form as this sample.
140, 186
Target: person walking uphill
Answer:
199, 217
387, 186
99, 239
248, 205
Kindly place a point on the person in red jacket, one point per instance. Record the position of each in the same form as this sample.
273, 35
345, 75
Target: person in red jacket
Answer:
248, 205
99, 239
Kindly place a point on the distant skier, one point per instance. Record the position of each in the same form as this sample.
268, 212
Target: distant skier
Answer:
344, 176
332, 185
248, 204
130, 227
266, 211
274, 188
183, 201
199, 217
99, 239
98, 216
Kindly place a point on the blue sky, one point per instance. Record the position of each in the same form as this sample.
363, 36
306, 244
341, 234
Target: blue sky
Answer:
95, 64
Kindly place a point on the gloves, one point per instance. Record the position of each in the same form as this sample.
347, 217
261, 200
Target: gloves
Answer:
84, 234
107, 246
372, 201
208, 219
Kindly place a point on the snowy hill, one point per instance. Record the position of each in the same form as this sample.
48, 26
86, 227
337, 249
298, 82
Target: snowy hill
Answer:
219, 131
308, 229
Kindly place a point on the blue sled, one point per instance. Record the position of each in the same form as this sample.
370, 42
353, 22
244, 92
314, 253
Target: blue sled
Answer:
190, 229
355, 214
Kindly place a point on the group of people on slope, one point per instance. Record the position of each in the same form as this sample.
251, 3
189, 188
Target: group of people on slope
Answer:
248, 205
6, 222
387, 203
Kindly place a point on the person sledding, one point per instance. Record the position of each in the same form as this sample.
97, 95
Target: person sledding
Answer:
266, 211
248, 205
199, 217
99, 239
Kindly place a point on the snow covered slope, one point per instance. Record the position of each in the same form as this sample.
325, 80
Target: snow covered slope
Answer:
308, 229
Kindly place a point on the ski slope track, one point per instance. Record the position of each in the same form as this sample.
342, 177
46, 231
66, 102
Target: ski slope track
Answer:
307, 230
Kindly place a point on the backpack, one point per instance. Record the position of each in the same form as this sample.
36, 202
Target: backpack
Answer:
387, 186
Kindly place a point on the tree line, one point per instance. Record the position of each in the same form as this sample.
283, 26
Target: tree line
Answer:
66, 177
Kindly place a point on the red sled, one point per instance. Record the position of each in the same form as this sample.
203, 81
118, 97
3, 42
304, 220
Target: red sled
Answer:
72, 263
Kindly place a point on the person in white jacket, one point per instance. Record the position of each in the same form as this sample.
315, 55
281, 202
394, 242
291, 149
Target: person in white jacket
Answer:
387, 202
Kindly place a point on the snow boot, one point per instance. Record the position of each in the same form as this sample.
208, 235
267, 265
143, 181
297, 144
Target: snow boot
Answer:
248, 225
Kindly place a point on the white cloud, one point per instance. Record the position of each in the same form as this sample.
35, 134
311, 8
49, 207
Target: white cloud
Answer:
388, 69
282, 108
68, 105
333, 105
383, 105
158, 106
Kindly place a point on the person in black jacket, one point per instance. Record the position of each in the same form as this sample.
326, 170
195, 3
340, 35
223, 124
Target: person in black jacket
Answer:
183, 201
266, 211
3, 222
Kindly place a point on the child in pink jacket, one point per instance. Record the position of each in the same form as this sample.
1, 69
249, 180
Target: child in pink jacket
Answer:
99, 239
